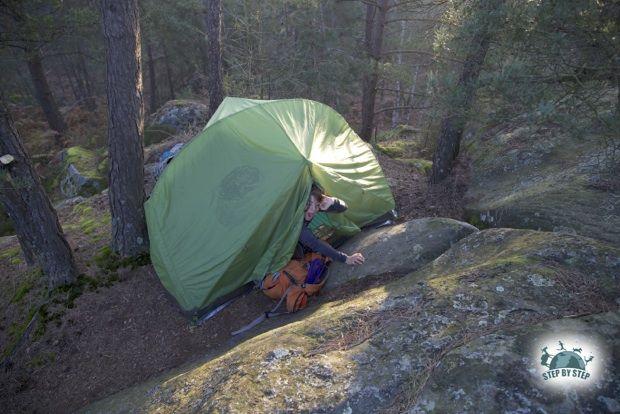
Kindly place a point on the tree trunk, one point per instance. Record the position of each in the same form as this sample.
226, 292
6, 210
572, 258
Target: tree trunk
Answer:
91, 102
449, 141
396, 114
64, 93
204, 52
412, 93
43, 92
373, 40
214, 59
35, 221
29, 256
121, 31
72, 78
152, 80
169, 77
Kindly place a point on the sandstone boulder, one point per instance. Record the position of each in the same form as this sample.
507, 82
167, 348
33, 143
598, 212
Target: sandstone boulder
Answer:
398, 249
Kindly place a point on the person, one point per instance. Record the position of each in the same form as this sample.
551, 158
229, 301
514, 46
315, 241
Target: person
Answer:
309, 242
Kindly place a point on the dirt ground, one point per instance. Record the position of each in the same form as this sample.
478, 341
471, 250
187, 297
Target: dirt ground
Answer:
124, 328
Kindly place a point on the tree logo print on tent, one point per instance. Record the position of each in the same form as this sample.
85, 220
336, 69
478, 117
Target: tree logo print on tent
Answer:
233, 192
563, 361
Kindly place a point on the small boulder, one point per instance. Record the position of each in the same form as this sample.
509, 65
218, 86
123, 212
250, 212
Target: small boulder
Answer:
81, 174
180, 115
399, 249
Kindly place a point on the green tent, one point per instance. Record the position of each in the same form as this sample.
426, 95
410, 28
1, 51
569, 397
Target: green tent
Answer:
229, 208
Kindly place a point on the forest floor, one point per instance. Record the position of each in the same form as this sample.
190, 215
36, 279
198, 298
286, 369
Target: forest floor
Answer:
118, 326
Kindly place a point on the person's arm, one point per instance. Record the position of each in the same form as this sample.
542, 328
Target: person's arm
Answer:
313, 243
333, 205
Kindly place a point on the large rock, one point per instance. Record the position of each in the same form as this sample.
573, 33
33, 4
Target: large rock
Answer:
181, 115
399, 249
380, 348
537, 177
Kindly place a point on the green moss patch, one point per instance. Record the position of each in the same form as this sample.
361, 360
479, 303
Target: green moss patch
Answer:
88, 221
110, 262
398, 148
10, 253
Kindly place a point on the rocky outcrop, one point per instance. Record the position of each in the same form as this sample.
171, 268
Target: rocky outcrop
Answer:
540, 178
399, 346
398, 249
181, 115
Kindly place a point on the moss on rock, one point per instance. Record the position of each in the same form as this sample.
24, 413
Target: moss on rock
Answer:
82, 172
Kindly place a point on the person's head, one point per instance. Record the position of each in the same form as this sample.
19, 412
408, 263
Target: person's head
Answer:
316, 195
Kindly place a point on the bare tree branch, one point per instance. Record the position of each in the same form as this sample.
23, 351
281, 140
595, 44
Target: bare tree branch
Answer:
393, 108
401, 92
417, 19
421, 52
369, 2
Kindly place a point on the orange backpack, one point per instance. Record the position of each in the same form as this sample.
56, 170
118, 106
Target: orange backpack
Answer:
290, 284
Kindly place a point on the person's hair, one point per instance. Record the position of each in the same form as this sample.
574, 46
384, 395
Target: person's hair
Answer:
317, 192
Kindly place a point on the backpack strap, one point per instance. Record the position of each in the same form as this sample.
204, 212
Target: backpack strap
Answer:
266, 315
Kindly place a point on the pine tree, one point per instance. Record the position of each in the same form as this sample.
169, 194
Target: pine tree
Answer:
213, 20
22, 196
121, 30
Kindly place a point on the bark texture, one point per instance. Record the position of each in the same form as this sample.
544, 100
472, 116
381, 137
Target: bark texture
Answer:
43, 93
373, 41
213, 18
449, 141
35, 220
121, 31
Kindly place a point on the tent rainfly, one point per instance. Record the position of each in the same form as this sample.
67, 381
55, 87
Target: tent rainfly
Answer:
229, 208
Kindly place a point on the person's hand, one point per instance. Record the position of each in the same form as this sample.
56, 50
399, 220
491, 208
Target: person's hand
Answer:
355, 259
326, 202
